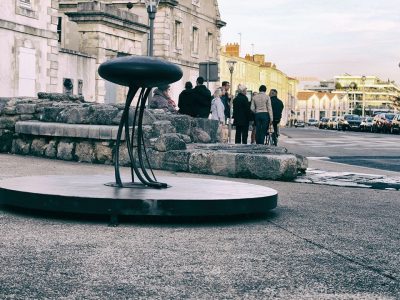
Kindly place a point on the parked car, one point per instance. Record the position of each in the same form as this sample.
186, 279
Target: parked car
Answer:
382, 122
366, 124
332, 124
395, 124
323, 124
299, 124
312, 122
349, 122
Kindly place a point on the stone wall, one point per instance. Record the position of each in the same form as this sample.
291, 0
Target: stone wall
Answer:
68, 128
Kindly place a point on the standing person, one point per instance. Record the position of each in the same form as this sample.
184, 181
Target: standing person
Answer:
253, 125
261, 106
162, 100
217, 107
277, 108
202, 98
185, 102
241, 115
226, 99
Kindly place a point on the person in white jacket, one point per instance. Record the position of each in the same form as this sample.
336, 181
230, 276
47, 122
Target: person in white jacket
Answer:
217, 107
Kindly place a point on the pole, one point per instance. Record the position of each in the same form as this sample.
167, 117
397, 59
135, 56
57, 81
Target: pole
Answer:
152, 16
230, 111
363, 100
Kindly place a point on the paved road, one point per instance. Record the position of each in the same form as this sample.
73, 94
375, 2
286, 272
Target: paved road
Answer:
322, 242
380, 151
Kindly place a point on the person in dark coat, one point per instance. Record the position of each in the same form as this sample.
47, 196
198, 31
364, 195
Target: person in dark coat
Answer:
277, 108
226, 99
241, 115
162, 100
185, 102
202, 99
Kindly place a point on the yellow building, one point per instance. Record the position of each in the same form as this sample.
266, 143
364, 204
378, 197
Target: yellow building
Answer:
253, 71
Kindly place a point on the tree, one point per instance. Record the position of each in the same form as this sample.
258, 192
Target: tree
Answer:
338, 86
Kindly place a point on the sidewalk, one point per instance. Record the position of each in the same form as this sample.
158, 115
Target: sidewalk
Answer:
322, 242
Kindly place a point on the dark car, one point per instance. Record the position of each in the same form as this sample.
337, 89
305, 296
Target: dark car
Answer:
299, 124
395, 124
349, 122
323, 124
382, 122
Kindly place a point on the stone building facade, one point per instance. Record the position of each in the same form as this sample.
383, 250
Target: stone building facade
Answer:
57, 45
254, 70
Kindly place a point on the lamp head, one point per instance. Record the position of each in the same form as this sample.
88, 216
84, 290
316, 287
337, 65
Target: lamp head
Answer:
363, 78
231, 65
151, 5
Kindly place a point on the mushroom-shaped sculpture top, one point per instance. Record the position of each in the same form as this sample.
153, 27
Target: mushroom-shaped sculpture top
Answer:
140, 71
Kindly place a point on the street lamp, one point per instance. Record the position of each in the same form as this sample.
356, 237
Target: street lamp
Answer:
352, 87
363, 78
151, 6
231, 66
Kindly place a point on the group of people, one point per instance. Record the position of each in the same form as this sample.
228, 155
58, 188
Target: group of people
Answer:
195, 102
262, 111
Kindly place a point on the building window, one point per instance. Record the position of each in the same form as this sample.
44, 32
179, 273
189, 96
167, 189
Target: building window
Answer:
80, 87
195, 40
178, 35
68, 86
59, 29
27, 72
25, 3
210, 43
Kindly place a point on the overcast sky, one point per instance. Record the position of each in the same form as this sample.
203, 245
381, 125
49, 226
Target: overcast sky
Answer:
320, 38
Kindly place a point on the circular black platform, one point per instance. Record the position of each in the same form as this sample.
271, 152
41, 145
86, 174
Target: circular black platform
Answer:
90, 195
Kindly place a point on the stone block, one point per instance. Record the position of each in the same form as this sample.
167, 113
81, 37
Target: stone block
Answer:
94, 132
47, 129
209, 126
185, 138
84, 152
168, 142
105, 132
82, 131
177, 161
223, 164
50, 114
25, 108
162, 127
181, 123
102, 114
273, 167
6, 139
10, 110
65, 150
69, 131
8, 122
26, 117
21, 146
38, 146
200, 136
200, 162
103, 152
51, 149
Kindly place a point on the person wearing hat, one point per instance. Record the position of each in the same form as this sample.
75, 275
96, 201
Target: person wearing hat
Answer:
241, 115
162, 100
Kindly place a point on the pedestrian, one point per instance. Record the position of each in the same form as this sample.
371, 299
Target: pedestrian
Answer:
241, 115
226, 99
277, 108
185, 101
162, 100
261, 106
202, 99
253, 123
217, 107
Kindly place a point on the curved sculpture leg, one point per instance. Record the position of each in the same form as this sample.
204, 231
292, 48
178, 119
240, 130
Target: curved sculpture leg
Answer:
140, 171
124, 119
141, 145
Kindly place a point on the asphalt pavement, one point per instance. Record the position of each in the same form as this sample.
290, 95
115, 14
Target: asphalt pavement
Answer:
322, 242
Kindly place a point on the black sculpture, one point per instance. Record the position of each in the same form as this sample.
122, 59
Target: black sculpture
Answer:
137, 72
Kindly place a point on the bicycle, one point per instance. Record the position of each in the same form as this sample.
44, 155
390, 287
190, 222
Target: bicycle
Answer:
272, 137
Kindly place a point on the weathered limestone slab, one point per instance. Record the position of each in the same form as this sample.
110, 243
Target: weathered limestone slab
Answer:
169, 142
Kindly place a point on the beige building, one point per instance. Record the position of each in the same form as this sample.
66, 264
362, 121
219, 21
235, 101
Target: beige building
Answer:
57, 46
316, 105
253, 71
374, 93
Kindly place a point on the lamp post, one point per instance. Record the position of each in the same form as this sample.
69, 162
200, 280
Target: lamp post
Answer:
151, 6
231, 65
352, 87
363, 78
